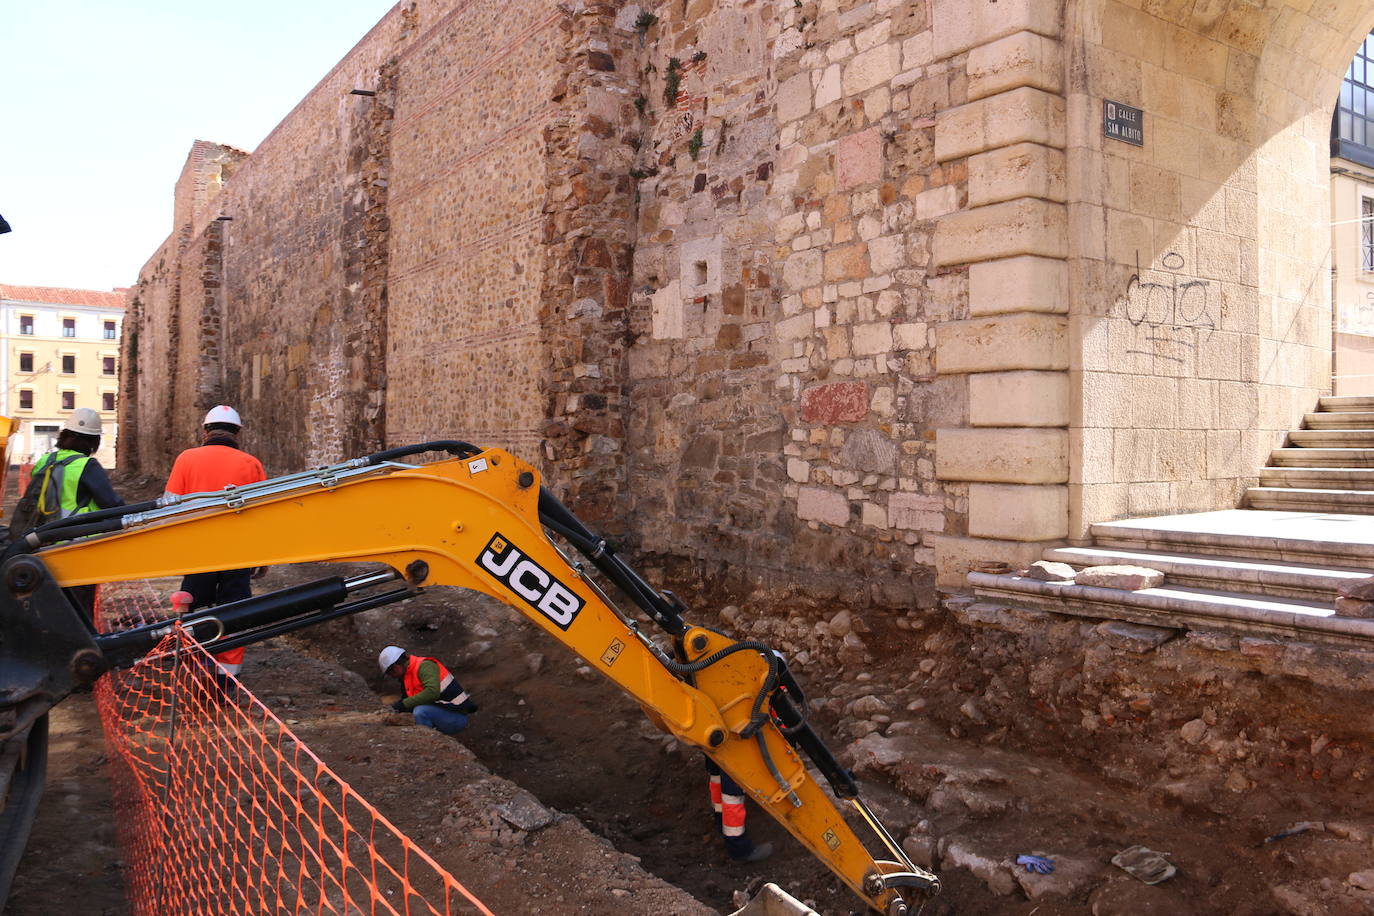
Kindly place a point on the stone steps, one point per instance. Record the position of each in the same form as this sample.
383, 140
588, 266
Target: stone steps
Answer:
1331, 438
1343, 404
1272, 568
1303, 500
1318, 478
1316, 584
1345, 419
1322, 457
1329, 541
1181, 608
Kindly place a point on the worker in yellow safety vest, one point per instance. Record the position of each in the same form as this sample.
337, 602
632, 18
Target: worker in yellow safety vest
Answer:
433, 695
67, 481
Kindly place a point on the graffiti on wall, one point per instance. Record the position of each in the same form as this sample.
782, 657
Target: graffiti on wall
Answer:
1171, 311
1356, 317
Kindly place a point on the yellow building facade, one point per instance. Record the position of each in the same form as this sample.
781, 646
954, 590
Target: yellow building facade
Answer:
60, 351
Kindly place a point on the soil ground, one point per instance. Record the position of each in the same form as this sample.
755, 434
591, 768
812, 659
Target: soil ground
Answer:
583, 749
72, 863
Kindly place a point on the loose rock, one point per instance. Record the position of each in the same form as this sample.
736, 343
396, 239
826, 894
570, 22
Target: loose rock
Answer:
867, 707
524, 812
1048, 571
1070, 878
1354, 607
921, 848
1193, 731
1134, 637
971, 712
1127, 578
996, 876
1363, 589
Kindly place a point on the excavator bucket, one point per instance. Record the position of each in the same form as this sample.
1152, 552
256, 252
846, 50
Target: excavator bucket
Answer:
772, 900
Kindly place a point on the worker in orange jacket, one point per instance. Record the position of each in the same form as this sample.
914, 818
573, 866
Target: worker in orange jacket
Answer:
217, 463
433, 695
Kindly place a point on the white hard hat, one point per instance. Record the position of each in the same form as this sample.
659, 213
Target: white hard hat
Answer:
222, 414
389, 656
83, 420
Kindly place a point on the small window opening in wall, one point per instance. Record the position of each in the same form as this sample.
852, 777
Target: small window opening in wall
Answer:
68, 365
109, 330
26, 324
107, 400
25, 362
700, 267
68, 327
107, 365
25, 399
69, 400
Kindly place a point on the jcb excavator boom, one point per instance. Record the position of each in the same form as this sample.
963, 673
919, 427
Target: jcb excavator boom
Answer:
479, 521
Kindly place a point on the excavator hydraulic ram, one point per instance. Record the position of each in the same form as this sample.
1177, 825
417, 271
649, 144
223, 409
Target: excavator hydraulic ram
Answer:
479, 521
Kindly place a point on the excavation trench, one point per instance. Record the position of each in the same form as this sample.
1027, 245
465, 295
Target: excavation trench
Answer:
957, 743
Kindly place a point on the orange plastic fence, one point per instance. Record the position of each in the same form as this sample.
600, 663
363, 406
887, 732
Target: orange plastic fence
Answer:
221, 809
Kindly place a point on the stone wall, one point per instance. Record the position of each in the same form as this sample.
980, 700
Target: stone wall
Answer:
798, 290
1200, 289
588, 242
302, 361
464, 351
170, 354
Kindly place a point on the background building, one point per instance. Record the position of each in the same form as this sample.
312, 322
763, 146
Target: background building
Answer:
1352, 235
60, 351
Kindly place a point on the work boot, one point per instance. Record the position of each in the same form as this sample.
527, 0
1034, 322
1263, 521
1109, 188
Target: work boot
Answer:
757, 854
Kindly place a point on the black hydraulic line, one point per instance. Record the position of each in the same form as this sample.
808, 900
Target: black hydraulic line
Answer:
791, 716
42, 537
309, 620
452, 446
99, 515
556, 516
792, 723
124, 647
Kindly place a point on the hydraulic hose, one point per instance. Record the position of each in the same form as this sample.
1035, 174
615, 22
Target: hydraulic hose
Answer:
100, 515
452, 446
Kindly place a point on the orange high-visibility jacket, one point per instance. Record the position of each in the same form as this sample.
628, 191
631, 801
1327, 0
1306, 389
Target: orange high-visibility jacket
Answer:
451, 693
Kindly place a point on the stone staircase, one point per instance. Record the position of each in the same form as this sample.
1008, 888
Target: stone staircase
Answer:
1272, 569
1328, 466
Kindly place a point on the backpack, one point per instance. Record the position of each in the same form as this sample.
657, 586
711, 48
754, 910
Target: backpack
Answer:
42, 501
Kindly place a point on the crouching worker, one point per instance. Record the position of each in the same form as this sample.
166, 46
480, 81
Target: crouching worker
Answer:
432, 693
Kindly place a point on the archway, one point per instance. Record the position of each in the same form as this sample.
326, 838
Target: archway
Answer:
1199, 261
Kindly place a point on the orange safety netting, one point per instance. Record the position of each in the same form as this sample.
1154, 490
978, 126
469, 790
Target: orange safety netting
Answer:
221, 809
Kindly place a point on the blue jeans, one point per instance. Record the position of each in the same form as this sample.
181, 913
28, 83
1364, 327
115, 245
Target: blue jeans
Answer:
444, 718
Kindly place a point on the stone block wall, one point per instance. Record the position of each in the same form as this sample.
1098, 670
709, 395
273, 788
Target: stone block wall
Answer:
782, 380
169, 359
1200, 275
824, 291
464, 349
303, 336
588, 238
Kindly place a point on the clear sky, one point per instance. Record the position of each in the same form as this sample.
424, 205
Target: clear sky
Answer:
103, 99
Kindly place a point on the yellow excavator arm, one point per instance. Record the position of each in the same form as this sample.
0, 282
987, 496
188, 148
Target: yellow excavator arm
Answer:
479, 521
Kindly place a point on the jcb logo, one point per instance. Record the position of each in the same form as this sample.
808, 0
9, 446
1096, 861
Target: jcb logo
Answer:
530, 581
